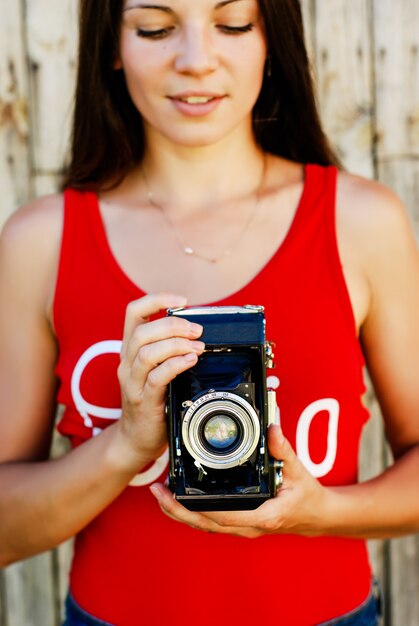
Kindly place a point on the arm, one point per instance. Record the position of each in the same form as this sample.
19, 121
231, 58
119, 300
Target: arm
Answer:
389, 504
379, 252
42, 502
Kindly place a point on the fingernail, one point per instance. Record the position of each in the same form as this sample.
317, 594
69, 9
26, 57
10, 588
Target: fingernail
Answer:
279, 434
178, 301
199, 346
155, 491
196, 329
191, 357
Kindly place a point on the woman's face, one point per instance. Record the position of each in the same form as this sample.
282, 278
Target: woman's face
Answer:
194, 68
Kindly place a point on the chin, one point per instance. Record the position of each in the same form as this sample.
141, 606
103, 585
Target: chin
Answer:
201, 138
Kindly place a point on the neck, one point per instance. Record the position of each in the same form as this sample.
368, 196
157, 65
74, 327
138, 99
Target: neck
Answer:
189, 180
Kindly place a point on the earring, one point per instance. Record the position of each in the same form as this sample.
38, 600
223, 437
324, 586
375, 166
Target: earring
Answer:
268, 66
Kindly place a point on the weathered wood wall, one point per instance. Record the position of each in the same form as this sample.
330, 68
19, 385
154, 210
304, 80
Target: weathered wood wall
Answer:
366, 62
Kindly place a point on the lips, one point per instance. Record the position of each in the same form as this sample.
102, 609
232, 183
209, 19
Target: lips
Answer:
194, 104
196, 98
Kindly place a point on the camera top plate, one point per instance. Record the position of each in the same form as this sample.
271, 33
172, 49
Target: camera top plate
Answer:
227, 325
214, 310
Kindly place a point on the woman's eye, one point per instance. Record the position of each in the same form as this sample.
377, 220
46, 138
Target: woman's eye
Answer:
154, 34
160, 33
235, 30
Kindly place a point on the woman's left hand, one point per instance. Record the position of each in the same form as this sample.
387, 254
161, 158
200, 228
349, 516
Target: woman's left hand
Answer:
298, 507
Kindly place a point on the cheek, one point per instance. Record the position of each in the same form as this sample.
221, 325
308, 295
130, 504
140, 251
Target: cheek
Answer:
140, 65
252, 74
252, 63
142, 80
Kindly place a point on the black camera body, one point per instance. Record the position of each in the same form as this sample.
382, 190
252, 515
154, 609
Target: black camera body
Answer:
218, 413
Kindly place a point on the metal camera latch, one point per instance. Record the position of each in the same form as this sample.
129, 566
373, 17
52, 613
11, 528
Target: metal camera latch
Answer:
269, 355
201, 470
271, 407
279, 478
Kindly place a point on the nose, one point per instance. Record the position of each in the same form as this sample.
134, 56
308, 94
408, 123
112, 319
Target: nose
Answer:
196, 54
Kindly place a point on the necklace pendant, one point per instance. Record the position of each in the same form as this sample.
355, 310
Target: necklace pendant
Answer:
188, 250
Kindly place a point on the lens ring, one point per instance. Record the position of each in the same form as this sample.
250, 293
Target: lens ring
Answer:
201, 416
235, 407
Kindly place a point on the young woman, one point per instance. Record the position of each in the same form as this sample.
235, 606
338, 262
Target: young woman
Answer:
200, 175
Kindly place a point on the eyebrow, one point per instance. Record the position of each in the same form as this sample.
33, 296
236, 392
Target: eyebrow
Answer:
166, 9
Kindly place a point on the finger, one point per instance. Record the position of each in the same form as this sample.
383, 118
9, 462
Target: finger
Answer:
154, 388
281, 449
151, 356
195, 519
139, 311
249, 533
176, 511
159, 330
233, 519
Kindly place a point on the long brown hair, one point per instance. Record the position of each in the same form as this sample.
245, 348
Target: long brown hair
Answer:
108, 136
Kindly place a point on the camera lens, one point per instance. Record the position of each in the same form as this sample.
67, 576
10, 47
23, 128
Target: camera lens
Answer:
221, 432
220, 429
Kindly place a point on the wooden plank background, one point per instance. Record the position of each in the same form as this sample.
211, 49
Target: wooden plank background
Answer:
365, 56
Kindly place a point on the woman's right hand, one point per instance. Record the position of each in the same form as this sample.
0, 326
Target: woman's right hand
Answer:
153, 353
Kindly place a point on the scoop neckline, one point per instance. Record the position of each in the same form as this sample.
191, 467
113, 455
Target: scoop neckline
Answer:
137, 291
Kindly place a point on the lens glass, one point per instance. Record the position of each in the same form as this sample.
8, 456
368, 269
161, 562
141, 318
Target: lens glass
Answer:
221, 432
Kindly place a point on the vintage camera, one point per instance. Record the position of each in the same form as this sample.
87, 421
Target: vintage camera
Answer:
218, 413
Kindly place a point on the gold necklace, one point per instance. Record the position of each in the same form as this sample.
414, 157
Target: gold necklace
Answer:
188, 250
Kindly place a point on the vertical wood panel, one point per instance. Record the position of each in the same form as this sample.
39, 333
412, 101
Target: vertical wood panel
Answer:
63, 556
344, 70
397, 82
52, 39
397, 72
309, 18
3, 599
404, 597
14, 148
30, 593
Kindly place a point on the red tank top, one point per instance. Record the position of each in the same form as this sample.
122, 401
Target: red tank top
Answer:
132, 565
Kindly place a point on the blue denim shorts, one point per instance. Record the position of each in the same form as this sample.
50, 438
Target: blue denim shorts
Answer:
367, 614
76, 616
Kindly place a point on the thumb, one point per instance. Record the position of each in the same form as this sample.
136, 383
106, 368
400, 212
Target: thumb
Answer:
281, 449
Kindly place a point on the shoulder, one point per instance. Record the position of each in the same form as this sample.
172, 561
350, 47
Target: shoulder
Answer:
43, 214
368, 207
372, 219
30, 243
377, 243
34, 228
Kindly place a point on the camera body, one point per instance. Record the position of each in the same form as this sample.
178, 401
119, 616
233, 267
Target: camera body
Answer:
218, 413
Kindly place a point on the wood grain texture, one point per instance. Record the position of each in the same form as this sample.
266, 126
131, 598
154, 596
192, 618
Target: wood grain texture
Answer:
344, 72
397, 96
396, 53
30, 593
51, 43
14, 122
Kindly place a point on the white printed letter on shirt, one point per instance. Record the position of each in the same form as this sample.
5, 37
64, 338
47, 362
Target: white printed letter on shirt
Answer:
332, 407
